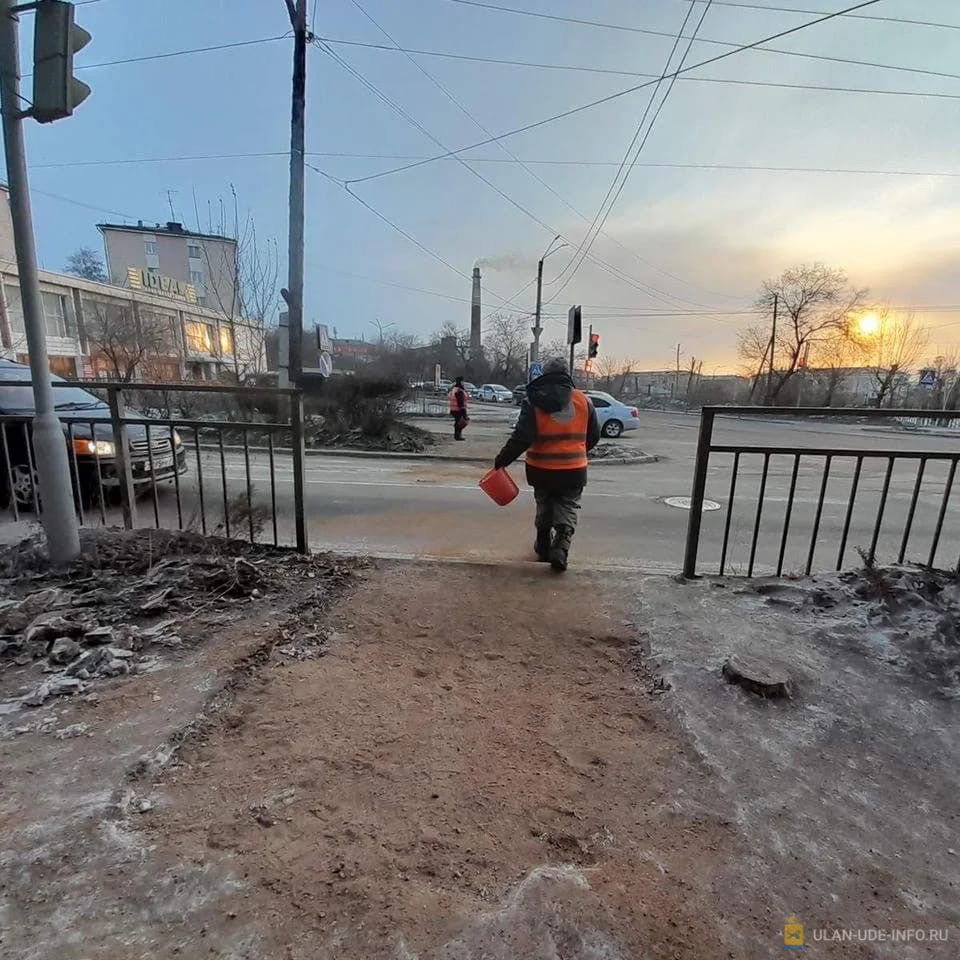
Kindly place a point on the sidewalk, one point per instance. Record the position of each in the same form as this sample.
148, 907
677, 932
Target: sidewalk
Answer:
449, 762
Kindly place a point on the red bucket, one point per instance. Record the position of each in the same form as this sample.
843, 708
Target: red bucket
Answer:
498, 485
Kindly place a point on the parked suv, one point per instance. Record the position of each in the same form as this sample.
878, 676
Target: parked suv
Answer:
86, 420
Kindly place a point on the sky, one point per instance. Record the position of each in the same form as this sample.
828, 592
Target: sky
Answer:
689, 243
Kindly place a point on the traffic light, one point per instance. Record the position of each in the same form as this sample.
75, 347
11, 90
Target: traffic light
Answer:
574, 325
56, 38
594, 345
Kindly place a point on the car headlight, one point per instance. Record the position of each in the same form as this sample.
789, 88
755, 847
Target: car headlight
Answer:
177, 442
94, 448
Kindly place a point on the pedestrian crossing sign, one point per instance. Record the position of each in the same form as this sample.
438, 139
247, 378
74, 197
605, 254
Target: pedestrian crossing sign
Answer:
928, 378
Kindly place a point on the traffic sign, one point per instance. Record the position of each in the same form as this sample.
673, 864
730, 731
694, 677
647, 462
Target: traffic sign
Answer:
536, 370
928, 378
326, 364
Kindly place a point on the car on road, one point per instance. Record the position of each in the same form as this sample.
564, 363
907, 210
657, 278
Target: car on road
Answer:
614, 416
519, 393
471, 388
89, 436
495, 393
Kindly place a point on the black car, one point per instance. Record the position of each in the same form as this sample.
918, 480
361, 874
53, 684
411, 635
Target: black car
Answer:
519, 394
89, 435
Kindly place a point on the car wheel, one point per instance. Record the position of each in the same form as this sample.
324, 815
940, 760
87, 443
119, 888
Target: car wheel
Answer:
612, 428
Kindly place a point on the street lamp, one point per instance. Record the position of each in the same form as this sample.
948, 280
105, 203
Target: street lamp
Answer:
537, 329
381, 327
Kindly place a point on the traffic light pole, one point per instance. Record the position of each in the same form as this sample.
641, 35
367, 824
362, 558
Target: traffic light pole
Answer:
49, 445
537, 329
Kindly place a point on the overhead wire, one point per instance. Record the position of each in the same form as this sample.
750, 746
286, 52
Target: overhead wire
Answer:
614, 96
678, 165
653, 291
722, 43
852, 16
408, 236
605, 71
614, 271
601, 217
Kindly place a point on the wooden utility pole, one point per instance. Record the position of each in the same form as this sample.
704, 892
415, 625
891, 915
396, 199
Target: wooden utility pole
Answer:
773, 347
293, 293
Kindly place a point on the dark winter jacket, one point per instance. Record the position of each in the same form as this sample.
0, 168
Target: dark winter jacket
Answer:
549, 393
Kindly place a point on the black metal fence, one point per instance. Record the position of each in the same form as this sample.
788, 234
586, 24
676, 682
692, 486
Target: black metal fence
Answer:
852, 484
178, 472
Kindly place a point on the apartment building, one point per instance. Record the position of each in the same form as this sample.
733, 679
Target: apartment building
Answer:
145, 255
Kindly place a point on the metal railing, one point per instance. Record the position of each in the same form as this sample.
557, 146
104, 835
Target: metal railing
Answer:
189, 454
931, 487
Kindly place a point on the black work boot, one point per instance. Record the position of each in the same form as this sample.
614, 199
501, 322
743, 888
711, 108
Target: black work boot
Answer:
542, 545
560, 548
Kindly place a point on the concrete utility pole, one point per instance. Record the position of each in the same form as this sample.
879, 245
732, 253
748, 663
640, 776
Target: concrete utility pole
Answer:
537, 329
58, 516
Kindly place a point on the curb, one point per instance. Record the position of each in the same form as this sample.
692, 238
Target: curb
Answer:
640, 458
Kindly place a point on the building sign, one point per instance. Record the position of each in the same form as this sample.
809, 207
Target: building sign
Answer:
138, 279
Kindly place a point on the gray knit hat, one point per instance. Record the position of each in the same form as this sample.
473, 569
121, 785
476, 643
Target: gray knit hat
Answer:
555, 365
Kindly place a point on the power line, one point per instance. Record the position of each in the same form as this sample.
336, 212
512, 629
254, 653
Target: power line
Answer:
615, 96
722, 43
420, 246
852, 16
655, 292
601, 217
614, 271
389, 283
181, 53
634, 73
677, 165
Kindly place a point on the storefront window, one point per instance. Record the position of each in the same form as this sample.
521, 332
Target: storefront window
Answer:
199, 337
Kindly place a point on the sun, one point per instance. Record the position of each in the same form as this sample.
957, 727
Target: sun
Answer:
868, 324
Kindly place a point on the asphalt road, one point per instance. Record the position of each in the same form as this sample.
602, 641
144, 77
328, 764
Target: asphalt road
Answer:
433, 508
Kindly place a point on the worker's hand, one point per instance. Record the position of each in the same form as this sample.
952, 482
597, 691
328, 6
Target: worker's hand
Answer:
498, 464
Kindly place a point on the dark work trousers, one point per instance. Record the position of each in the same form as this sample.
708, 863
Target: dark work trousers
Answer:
459, 421
557, 508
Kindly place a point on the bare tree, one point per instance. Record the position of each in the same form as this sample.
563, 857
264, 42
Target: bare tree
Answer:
946, 392
507, 347
462, 337
124, 342
613, 372
243, 286
894, 348
832, 359
87, 263
813, 303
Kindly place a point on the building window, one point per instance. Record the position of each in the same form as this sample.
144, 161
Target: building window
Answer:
55, 315
194, 251
196, 278
14, 307
199, 337
226, 341
150, 248
154, 270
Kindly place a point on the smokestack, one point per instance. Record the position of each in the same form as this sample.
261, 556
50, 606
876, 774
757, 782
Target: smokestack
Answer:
475, 332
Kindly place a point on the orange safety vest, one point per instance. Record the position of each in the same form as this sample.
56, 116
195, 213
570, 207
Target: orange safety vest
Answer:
561, 442
454, 405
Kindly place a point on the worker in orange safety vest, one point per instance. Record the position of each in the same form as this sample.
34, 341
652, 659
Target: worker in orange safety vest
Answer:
458, 408
557, 426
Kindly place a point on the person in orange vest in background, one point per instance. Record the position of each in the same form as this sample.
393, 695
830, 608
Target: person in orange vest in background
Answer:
458, 408
556, 427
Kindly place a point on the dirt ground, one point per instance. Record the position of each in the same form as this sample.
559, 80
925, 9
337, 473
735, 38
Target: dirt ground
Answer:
474, 763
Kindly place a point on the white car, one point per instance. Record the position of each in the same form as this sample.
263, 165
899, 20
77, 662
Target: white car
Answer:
495, 393
614, 417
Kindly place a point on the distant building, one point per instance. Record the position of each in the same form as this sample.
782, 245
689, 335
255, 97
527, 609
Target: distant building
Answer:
92, 328
148, 257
